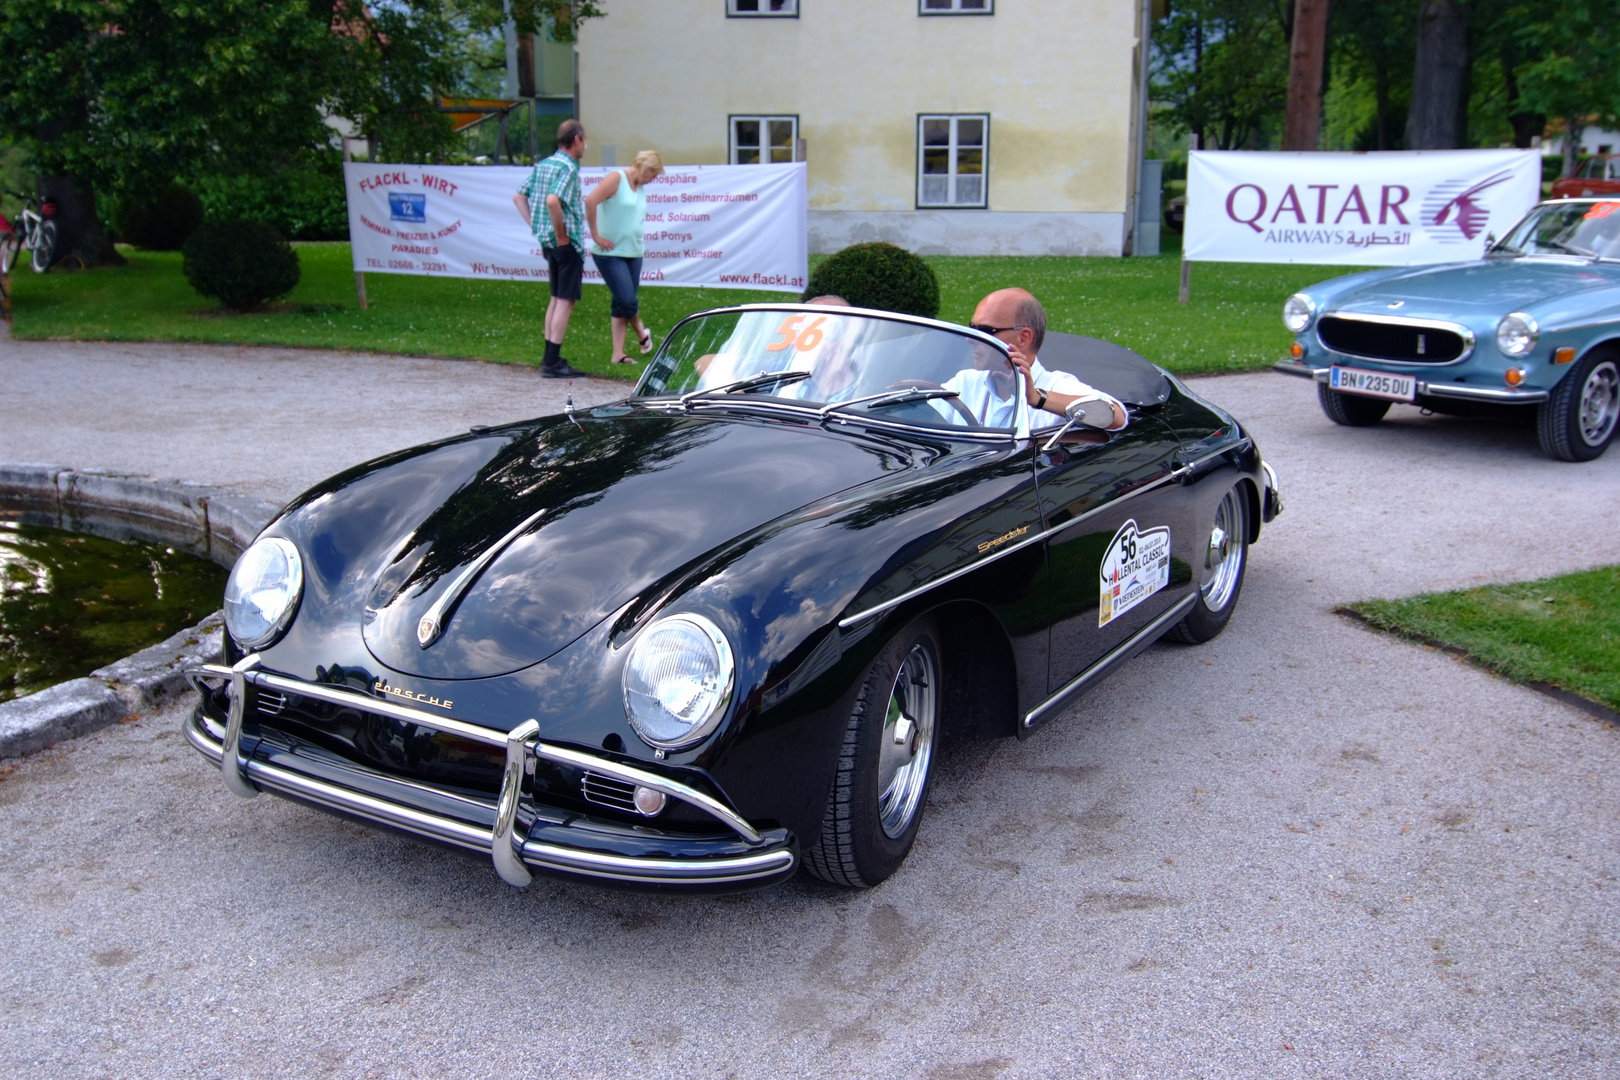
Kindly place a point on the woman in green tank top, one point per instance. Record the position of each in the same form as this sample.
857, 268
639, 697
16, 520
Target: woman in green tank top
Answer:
616, 211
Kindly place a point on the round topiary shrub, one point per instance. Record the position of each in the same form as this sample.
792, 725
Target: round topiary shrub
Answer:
880, 276
243, 264
161, 218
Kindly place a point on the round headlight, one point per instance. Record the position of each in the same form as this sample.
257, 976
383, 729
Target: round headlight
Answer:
262, 592
1516, 334
678, 681
1298, 310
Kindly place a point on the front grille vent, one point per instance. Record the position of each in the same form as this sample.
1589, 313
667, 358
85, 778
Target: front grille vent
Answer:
272, 703
608, 792
1391, 341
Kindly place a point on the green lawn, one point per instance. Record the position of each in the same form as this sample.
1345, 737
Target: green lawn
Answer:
1232, 324
1562, 630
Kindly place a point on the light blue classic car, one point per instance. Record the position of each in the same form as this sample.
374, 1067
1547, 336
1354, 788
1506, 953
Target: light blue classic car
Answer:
1533, 324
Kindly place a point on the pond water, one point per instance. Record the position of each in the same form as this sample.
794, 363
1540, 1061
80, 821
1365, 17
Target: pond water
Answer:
71, 603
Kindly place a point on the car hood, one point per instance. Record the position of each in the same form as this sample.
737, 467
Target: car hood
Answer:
564, 523
1486, 288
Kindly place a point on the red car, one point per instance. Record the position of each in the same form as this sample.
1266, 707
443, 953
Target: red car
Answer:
1597, 175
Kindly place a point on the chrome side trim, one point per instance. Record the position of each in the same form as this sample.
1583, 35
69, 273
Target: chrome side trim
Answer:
944, 579
432, 624
632, 775
653, 871
1078, 683
1459, 329
236, 781
503, 838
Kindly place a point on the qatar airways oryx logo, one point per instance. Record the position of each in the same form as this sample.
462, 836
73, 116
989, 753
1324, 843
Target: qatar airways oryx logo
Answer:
1455, 211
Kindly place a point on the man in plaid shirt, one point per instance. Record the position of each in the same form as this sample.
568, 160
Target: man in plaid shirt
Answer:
557, 218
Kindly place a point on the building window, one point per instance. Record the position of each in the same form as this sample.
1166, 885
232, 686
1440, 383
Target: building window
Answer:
752, 9
951, 160
763, 140
956, 7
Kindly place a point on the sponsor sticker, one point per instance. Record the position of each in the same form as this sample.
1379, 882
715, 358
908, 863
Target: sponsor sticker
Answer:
1135, 566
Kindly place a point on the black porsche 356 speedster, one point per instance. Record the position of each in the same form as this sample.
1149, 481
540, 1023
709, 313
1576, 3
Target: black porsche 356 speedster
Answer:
721, 628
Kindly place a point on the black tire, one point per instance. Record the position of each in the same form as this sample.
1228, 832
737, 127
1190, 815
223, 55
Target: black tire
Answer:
8, 252
1577, 422
864, 838
45, 250
1226, 561
1350, 410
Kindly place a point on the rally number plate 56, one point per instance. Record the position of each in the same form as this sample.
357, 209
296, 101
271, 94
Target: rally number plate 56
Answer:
1373, 383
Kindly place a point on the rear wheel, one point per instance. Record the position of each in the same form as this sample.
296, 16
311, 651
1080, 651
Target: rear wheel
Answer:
884, 764
8, 251
45, 247
1577, 422
1351, 410
1225, 560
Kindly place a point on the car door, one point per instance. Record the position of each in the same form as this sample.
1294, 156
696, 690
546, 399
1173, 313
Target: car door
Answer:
1112, 516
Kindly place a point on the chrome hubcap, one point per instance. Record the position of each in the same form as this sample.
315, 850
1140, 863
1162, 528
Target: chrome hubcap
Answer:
906, 744
1600, 403
1224, 560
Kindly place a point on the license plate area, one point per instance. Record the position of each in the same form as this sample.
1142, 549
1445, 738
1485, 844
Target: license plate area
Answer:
1378, 384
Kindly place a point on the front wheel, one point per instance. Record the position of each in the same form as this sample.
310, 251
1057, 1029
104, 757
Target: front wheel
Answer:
1350, 410
45, 247
884, 764
1577, 421
1225, 560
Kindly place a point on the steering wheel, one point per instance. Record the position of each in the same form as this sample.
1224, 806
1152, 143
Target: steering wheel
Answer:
924, 384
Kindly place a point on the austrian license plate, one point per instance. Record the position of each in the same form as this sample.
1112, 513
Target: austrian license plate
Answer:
1373, 383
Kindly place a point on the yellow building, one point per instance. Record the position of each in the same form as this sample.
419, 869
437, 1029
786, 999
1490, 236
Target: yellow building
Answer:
946, 126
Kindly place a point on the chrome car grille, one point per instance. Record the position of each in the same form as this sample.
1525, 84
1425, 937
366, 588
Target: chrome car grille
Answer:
1404, 343
608, 792
272, 703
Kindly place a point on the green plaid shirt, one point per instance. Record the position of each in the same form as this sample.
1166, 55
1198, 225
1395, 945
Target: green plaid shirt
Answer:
556, 175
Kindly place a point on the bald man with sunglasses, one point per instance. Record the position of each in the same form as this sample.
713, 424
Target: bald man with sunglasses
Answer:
1016, 319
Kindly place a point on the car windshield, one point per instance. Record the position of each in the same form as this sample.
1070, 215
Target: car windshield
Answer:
843, 363
1591, 229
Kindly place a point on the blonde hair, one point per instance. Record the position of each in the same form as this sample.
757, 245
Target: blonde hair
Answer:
649, 161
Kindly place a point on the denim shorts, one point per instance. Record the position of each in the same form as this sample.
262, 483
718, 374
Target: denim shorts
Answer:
623, 277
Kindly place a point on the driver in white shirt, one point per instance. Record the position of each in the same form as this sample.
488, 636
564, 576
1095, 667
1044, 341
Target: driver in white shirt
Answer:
1016, 318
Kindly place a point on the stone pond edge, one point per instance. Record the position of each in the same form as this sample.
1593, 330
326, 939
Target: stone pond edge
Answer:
215, 521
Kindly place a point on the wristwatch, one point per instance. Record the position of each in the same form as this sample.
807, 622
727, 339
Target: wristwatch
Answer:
1040, 398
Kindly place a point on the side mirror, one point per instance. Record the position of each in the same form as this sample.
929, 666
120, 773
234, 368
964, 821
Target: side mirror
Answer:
1091, 412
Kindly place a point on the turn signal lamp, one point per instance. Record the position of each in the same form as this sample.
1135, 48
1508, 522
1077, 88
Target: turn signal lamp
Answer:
1515, 376
1564, 355
1297, 351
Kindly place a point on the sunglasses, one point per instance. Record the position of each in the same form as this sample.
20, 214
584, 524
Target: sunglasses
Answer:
984, 328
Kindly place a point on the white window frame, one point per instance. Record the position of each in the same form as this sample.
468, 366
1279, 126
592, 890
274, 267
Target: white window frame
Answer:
955, 8
984, 173
765, 120
791, 10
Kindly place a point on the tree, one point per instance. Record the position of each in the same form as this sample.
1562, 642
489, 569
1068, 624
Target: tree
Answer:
1570, 70
1221, 69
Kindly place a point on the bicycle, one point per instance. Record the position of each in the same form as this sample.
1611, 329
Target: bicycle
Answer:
37, 235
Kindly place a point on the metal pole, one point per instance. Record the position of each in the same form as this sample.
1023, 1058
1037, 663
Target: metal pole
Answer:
359, 275
1186, 267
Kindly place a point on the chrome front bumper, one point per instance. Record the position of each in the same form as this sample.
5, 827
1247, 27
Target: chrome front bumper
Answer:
1504, 395
765, 856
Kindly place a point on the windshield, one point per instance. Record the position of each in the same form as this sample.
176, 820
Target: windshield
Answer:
1591, 229
841, 362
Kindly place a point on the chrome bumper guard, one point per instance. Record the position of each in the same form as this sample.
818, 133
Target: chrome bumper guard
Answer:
1457, 390
512, 855
1271, 504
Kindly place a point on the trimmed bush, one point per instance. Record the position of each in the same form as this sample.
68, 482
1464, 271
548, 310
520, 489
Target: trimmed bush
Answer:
303, 200
242, 264
880, 276
160, 218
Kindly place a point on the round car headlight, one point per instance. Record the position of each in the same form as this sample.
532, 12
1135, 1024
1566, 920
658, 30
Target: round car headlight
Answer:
1298, 311
1516, 334
262, 592
678, 681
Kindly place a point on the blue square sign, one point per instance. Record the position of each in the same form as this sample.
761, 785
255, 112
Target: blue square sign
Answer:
411, 209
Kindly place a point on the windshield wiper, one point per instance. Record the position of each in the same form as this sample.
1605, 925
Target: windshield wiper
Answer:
1571, 248
753, 382
892, 397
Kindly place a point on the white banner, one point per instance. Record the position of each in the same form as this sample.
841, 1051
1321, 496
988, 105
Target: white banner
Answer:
732, 226
1393, 208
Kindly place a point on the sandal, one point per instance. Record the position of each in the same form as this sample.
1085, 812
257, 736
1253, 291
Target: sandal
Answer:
646, 340
625, 360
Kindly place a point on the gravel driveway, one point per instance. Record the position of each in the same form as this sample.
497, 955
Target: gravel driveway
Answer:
1300, 850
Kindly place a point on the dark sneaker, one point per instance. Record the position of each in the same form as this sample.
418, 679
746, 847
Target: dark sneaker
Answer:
562, 369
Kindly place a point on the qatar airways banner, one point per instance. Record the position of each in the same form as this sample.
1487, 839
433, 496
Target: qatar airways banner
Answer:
734, 226
1391, 208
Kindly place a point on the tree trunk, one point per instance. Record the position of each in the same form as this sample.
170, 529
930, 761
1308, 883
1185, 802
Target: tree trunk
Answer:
1440, 77
1572, 145
1302, 122
80, 238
